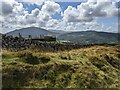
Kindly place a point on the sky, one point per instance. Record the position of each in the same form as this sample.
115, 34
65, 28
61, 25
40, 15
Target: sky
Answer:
67, 15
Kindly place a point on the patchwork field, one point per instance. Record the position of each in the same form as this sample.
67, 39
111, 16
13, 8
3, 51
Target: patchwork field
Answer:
90, 67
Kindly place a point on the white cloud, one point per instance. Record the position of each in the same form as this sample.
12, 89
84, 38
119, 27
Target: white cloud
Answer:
81, 18
90, 10
6, 8
50, 7
18, 8
11, 7
18, 17
35, 12
71, 14
52, 23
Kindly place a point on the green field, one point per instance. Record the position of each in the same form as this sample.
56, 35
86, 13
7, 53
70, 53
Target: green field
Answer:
91, 67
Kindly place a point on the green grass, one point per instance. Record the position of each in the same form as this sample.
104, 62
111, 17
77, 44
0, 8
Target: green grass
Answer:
94, 67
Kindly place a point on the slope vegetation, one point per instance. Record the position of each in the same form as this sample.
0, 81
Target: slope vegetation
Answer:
93, 67
88, 37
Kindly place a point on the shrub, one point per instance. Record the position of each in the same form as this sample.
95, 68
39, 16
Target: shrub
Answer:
112, 61
50, 75
118, 55
97, 62
44, 59
29, 58
64, 80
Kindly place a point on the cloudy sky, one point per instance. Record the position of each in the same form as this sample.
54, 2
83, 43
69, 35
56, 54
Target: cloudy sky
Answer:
69, 15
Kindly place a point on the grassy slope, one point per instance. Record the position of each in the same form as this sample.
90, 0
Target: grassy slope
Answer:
94, 67
85, 37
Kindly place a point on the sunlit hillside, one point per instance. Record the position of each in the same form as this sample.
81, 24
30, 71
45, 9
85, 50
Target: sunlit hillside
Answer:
91, 67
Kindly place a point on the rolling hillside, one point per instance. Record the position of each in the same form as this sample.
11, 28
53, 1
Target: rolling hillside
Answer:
33, 31
93, 67
86, 37
82, 37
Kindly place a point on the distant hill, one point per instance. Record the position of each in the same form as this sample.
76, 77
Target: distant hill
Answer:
82, 37
33, 31
58, 31
88, 37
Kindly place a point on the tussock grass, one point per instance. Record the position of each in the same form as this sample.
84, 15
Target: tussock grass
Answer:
94, 67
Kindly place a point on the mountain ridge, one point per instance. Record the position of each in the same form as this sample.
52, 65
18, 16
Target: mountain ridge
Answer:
33, 31
88, 37
83, 37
